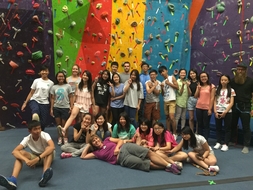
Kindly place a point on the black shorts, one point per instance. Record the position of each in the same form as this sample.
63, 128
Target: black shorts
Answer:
62, 113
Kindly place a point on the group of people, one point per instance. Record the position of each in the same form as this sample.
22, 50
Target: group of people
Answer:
88, 105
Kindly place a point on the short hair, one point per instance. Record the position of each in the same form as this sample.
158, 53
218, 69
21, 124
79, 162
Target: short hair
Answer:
161, 68
33, 123
115, 63
126, 62
43, 68
153, 71
144, 63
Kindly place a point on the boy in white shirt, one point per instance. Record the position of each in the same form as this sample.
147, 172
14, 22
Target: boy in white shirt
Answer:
42, 153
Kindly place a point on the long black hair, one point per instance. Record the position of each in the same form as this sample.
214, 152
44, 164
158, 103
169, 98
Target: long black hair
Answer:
196, 72
104, 125
146, 122
220, 86
127, 126
103, 82
136, 72
192, 141
155, 136
207, 82
89, 82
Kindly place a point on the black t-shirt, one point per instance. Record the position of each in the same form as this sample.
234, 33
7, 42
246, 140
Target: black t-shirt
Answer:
243, 91
101, 94
193, 87
82, 138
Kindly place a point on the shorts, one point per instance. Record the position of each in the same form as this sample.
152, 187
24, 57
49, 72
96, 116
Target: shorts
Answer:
40, 163
152, 110
191, 103
134, 156
169, 107
101, 105
81, 108
62, 113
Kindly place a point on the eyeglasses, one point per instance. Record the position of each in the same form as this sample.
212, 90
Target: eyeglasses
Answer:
158, 128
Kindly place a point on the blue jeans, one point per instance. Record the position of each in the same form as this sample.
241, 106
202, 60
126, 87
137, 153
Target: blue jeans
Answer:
131, 112
106, 134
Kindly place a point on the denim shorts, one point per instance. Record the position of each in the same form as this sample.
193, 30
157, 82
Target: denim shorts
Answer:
191, 103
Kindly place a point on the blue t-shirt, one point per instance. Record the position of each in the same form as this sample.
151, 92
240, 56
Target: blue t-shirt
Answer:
143, 79
118, 90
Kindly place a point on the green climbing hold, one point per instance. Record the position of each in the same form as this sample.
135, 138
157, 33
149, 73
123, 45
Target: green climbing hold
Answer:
37, 55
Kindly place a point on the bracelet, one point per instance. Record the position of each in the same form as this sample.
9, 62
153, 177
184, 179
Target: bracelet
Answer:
39, 158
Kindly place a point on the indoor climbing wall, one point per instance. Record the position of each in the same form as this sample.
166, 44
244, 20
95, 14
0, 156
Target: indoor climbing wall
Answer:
223, 36
25, 45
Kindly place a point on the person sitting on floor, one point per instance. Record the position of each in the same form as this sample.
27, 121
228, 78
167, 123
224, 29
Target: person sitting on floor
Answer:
101, 127
42, 153
130, 155
202, 153
165, 141
80, 138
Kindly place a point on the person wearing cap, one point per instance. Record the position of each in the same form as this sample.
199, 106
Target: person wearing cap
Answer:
144, 77
124, 76
243, 86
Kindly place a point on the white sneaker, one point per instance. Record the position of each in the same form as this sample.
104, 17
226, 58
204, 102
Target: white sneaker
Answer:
214, 169
36, 117
217, 146
175, 136
245, 150
224, 148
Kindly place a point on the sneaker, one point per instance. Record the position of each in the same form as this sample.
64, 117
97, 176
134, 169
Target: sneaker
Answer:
173, 169
217, 146
245, 150
214, 169
59, 141
66, 155
36, 117
47, 175
224, 148
59, 130
179, 165
175, 136
65, 140
8, 182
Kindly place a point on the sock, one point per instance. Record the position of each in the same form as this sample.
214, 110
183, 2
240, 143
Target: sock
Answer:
168, 166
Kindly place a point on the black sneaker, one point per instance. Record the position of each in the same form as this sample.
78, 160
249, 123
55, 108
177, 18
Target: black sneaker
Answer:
47, 175
8, 183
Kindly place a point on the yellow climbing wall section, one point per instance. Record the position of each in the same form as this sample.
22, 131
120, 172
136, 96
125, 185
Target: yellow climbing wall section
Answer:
127, 33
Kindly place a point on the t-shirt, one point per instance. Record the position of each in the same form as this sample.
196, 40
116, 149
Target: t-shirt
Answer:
124, 77
222, 101
169, 92
108, 124
149, 137
106, 153
123, 135
133, 95
118, 90
73, 83
61, 93
143, 79
39, 146
200, 141
151, 97
41, 88
168, 138
181, 100
243, 91
204, 97
101, 94
82, 138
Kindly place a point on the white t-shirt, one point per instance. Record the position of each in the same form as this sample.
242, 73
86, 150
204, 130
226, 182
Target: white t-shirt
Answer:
200, 141
133, 95
39, 146
222, 101
169, 92
41, 88
108, 124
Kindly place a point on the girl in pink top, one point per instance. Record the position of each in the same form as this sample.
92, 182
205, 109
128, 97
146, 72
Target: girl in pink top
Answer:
143, 135
83, 101
205, 93
164, 141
